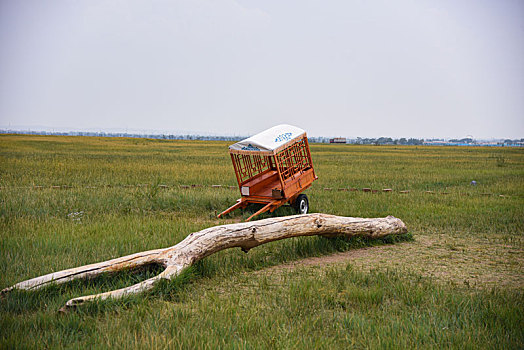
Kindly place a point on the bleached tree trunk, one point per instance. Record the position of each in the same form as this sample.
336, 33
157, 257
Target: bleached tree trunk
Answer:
203, 243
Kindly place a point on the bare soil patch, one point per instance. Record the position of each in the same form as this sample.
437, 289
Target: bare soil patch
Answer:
467, 261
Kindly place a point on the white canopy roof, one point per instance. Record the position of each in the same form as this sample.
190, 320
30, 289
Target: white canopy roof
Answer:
269, 140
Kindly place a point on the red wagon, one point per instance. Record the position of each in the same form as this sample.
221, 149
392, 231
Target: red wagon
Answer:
273, 168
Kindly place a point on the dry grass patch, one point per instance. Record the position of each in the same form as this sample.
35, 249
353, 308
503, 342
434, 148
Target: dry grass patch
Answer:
463, 261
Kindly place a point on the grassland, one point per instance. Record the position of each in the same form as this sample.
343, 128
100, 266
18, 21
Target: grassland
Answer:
455, 281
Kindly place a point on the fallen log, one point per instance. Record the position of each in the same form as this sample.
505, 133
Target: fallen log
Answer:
198, 245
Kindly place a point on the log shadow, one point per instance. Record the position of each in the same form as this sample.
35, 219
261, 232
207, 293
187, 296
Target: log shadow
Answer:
280, 252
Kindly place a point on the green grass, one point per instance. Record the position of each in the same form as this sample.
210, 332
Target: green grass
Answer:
113, 206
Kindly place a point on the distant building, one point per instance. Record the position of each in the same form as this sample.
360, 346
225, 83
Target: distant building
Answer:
338, 140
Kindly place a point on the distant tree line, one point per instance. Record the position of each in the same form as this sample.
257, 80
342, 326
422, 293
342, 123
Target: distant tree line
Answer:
466, 140
387, 141
124, 134
359, 140
509, 142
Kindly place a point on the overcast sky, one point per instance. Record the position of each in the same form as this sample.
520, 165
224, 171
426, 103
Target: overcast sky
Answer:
404, 68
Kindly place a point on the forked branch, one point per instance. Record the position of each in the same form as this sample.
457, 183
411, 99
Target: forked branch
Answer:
203, 243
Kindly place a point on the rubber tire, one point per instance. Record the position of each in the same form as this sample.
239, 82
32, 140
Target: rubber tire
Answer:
301, 204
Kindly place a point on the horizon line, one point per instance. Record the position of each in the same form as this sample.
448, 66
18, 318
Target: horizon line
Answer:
156, 133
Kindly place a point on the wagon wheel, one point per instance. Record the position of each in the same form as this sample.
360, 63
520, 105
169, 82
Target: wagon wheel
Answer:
301, 204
